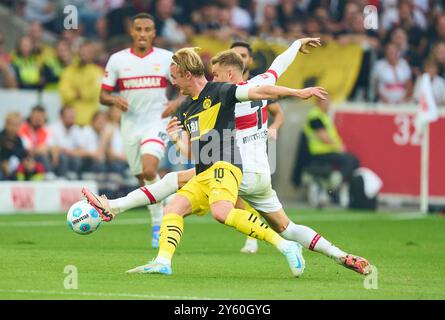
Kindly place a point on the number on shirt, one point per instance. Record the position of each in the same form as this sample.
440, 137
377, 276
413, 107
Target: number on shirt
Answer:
258, 104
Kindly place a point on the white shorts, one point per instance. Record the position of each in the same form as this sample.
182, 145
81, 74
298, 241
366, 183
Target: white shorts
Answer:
151, 141
256, 189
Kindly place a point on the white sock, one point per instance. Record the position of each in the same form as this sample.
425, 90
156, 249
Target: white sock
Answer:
146, 195
163, 260
311, 240
156, 208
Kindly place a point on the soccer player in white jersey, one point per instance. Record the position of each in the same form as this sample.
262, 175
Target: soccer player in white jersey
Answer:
140, 74
256, 184
273, 107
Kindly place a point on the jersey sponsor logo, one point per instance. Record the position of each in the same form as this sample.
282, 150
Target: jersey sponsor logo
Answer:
193, 127
260, 135
144, 82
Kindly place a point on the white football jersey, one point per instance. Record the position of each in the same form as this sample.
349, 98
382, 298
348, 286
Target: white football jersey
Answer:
142, 80
251, 128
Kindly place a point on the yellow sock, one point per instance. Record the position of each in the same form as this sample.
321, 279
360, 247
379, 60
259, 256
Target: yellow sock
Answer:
170, 235
249, 208
252, 226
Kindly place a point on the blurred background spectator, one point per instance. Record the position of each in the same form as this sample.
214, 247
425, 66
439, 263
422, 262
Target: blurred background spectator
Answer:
12, 151
80, 84
93, 150
35, 135
392, 77
65, 141
26, 65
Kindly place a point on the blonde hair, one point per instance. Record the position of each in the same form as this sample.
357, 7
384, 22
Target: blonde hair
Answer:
229, 58
12, 116
187, 59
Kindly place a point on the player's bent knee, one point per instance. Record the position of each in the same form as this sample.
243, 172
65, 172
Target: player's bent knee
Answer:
149, 174
220, 210
278, 221
178, 205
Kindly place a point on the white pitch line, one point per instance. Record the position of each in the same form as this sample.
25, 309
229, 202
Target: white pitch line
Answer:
295, 218
106, 294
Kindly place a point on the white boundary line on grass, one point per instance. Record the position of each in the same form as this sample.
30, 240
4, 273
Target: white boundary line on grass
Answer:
105, 294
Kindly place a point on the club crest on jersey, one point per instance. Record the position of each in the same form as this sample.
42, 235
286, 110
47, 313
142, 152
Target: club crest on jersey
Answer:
157, 68
207, 103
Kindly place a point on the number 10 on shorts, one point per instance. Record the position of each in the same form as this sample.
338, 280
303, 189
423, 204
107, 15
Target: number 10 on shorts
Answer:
219, 173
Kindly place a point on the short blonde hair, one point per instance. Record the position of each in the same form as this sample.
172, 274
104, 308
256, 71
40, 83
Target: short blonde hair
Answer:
229, 58
187, 59
12, 116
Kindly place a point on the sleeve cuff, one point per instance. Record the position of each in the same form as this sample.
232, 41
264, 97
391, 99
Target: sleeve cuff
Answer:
273, 73
107, 87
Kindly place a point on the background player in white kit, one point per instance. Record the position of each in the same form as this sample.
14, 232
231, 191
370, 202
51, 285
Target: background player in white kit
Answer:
140, 74
256, 186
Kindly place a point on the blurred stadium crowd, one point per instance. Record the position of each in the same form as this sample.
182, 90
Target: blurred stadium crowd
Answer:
410, 40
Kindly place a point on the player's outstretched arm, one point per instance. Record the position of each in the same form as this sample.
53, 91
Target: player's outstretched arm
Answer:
277, 92
285, 59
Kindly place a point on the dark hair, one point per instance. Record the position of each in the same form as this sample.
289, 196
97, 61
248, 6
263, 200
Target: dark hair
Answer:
242, 44
38, 108
64, 108
142, 15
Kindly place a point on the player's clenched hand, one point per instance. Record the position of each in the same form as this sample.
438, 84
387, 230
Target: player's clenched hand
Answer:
307, 93
306, 43
174, 127
121, 103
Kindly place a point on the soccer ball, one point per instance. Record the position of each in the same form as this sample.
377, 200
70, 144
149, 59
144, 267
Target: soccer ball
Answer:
83, 218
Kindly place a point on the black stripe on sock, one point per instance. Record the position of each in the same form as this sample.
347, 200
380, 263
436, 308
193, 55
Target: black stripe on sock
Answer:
172, 243
255, 219
173, 239
175, 230
251, 215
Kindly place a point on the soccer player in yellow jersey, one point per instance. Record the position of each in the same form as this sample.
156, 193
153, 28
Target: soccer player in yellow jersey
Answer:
208, 117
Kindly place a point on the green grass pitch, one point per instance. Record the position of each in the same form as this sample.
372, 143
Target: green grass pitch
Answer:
407, 250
